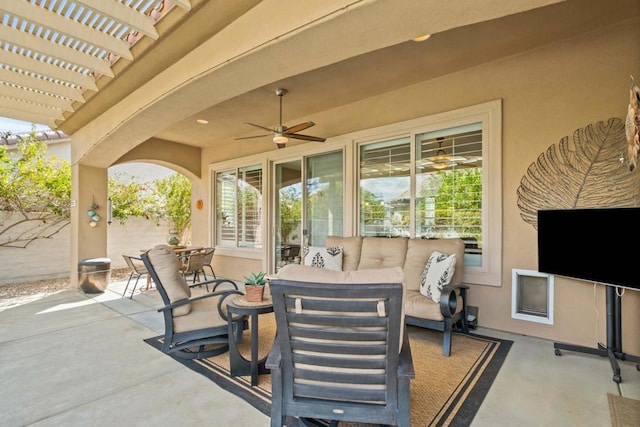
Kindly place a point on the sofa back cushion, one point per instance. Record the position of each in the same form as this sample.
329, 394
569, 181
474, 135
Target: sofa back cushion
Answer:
418, 253
383, 252
351, 247
303, 273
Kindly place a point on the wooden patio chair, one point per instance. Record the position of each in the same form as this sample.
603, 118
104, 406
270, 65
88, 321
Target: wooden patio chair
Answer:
195, 326
338, 354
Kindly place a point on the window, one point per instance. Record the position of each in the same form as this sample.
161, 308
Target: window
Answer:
437, 177
432, 177
385, 171
449, 187
239, 207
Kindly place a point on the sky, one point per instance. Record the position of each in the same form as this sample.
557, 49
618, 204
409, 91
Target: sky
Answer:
17, 126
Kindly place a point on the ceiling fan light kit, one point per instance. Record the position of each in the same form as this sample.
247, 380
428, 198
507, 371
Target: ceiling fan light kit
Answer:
281, 133
442, 160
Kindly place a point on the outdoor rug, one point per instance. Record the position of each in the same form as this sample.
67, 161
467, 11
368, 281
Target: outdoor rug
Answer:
625, 412
447, 391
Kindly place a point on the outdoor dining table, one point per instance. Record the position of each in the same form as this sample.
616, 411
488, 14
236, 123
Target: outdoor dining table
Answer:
182, 250
187, 249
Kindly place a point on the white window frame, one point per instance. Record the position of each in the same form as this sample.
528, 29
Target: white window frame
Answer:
490, 115
250, 253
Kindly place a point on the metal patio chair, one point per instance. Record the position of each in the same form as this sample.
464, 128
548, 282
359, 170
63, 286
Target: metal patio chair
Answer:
337, 354
208, 258
138, 270
195, 326
193, 264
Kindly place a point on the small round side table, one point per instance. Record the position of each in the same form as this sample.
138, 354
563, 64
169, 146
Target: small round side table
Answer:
238, 364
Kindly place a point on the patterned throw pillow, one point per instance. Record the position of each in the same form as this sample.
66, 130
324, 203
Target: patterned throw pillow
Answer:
437, 274
329, 258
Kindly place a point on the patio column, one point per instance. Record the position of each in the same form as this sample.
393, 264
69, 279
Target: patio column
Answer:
88, 187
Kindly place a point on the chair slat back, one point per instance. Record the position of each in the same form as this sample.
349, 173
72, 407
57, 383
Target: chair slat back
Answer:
339, 345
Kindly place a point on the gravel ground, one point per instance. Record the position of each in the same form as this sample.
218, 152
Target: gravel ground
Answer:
12, 295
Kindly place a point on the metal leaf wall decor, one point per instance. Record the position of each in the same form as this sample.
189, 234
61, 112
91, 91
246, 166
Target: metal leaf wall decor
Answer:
586, 171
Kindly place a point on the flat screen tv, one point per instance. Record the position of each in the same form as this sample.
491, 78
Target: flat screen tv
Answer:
596, 244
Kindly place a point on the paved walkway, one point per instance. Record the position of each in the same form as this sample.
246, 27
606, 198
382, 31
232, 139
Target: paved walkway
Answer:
71, 359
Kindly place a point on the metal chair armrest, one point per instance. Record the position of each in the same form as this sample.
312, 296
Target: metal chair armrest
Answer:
449, 298
274, 358
217, 282
190, 300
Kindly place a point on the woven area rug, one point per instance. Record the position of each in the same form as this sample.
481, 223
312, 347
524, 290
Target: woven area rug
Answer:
625, 412
447, 391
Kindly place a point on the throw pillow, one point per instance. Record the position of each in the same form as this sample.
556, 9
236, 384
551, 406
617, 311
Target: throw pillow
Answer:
329, 258
437, 274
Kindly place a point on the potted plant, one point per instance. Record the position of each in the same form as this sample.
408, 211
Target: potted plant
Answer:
254, 286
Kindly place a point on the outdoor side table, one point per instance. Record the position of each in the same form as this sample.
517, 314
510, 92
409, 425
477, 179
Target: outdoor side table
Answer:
238, 364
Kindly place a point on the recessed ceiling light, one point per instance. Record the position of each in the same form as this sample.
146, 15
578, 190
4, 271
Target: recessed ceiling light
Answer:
202, 121
421, 38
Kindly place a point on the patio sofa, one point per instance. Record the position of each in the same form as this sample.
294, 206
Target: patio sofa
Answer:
412, 255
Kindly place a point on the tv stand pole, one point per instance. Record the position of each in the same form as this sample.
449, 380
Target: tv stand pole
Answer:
613, 350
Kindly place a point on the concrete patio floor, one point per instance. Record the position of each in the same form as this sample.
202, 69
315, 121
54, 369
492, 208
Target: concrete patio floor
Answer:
71, 359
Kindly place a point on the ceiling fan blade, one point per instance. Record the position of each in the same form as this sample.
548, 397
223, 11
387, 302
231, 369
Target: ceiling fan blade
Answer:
299, 127
304, 137
258, 126
249, 137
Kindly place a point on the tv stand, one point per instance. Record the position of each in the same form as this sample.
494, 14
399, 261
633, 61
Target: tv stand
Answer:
613, 349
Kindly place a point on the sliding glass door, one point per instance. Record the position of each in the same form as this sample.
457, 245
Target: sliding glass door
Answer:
287, 212
304, 215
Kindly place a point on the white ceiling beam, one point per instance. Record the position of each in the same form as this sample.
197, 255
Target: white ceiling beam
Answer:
45, 69
26, 116
27, 107
54, 50
182, 4
127, 15
43, 85
31, 96
60, 24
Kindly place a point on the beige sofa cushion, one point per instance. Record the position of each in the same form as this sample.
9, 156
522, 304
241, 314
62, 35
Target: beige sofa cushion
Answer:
303, 273
418, 253
351, 250
417, 305
382, 252
167, 267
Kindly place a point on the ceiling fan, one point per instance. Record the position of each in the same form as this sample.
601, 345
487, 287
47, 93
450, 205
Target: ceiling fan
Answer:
282, 133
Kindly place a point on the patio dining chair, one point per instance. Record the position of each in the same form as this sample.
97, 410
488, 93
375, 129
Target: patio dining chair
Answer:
193, 264
137, 270
195, 327
338, 354
208, 258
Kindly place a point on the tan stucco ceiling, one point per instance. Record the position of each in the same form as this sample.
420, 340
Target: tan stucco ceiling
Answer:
395, 66
222, 61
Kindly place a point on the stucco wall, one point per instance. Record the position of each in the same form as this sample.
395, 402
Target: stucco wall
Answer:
50, 258
547, 94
